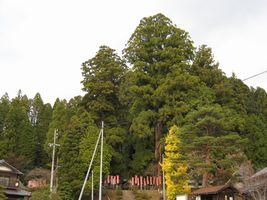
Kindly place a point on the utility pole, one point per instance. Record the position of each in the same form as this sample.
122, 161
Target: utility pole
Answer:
56, 176
101, 162
163, 177
54, 145
92, 192
90, 165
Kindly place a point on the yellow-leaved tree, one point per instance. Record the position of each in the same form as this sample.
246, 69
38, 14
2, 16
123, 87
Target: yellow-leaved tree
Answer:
174, 166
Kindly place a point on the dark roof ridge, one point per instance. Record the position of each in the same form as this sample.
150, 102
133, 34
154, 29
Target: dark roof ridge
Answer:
15, 170
212, 189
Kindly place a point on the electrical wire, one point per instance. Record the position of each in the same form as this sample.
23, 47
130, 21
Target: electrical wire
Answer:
255, 75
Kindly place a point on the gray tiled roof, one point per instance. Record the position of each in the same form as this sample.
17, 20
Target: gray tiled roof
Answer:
16, 171
261, 172
22, 193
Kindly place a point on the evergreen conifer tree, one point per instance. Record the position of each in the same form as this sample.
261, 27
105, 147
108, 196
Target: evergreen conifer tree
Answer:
70, 158
214, 148
18, 130
159, 84
103, 75
40, 117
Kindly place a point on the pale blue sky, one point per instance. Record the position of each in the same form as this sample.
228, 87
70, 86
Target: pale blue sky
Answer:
43, 43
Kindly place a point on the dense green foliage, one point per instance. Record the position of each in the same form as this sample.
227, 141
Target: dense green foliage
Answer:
103, 75
43, 194
24, 125
162, 80
87, 146
213, 146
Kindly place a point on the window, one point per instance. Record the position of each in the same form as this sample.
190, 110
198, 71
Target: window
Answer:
4, 181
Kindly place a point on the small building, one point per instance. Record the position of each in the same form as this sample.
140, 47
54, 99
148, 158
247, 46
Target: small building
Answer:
36, 183
182, 197
37, 178
256, 185
220, 192
9, 179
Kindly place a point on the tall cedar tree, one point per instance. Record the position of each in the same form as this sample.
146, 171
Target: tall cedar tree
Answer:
256, 129
256, 133
58, 122
4, 109
258, 103
234, 94
205, 67
18, 130
158, 85
102, 78
70, 161
87, 146
40, 117
168, 79
64, 120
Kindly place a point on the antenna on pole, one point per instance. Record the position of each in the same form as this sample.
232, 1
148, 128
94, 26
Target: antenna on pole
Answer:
54, 145
101, 162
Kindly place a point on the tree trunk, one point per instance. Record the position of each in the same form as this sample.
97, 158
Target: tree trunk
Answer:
158, 152
206, 174
205, 179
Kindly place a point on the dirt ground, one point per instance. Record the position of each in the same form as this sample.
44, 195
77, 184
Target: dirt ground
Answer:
129, 195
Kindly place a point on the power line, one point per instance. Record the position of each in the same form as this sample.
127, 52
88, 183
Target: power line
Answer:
255, 75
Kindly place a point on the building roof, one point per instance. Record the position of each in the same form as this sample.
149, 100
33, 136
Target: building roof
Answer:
21, 193
14, 170
211, 190
260, 173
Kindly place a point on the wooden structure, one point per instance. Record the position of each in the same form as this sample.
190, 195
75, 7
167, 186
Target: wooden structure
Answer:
220, 192
256, 185
9, 179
